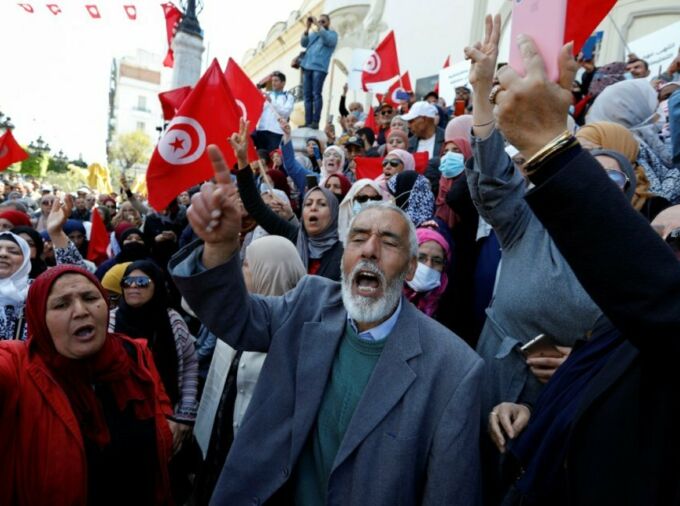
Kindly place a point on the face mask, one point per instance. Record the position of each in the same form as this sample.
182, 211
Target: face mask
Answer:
356, 114
628, 76
357, 207
451, 164
425, 279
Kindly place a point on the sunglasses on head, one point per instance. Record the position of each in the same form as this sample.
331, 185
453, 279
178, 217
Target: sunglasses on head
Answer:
138, 281
392, 162
362, 199
620, 179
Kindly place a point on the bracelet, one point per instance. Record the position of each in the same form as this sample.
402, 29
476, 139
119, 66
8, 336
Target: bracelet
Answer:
565, 139
484, 124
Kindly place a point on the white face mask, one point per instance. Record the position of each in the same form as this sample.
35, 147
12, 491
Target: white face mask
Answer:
425, 279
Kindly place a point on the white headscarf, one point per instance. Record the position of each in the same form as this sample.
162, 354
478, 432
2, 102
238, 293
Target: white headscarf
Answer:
14, 288
341, 153
629, 103
346, 213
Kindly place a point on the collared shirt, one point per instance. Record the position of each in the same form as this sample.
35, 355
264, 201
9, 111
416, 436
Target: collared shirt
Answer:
381, 331
281, 104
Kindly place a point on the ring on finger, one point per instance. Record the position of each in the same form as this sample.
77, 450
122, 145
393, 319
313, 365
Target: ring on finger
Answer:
493, 413
494, 91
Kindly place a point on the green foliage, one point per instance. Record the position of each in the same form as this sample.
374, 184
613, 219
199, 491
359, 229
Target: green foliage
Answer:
130, 150
36, 164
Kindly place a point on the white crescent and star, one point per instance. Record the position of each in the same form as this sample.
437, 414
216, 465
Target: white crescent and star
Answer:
373, 64
178, 146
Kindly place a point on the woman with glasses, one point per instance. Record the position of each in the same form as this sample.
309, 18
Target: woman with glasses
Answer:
361, 193
430, 280
611, 136
143, 313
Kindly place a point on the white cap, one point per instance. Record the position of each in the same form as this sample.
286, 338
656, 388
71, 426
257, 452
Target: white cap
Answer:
420, 109
83, 189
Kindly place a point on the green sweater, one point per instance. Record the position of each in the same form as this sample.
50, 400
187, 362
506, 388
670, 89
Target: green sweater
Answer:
352, 368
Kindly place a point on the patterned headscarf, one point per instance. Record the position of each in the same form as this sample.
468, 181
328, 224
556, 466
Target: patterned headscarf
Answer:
412, 193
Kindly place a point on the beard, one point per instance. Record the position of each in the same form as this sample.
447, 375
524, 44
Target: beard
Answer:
370, 309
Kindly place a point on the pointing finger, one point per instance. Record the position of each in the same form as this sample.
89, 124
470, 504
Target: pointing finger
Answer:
222, 174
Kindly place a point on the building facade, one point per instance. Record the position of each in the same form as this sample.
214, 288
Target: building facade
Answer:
133, 95
426, 33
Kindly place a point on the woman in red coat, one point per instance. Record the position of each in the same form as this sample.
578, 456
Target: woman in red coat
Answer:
82, 411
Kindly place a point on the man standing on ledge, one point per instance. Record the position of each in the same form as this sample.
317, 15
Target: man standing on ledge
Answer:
319, 47
362, 399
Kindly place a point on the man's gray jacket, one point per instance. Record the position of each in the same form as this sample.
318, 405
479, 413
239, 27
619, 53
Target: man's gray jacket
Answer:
414, 436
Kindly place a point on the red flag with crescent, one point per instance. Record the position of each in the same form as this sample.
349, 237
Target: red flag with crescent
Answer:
383, 64
208, 115
248, 98
10, 151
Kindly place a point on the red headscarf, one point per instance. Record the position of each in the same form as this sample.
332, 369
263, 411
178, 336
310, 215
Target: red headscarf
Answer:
345, 184
16, 218
443, 211
111, 364
280, 180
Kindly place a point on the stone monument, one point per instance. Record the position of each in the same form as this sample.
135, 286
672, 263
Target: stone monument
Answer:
188, 48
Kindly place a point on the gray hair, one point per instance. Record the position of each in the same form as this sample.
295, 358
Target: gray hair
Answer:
389, 206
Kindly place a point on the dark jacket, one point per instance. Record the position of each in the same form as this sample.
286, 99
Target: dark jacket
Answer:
432, 173
275, 225
624, 439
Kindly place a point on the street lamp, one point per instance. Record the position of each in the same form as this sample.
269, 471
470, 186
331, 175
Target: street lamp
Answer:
39, 146
189, 23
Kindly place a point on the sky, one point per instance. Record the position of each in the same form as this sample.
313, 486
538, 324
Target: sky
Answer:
55, 69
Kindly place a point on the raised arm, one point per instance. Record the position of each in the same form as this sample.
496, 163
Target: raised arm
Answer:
496, 186
292, 167
621, 262
65, 251
259, 211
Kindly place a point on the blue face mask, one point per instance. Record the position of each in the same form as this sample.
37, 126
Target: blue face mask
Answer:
451, 164
356, 207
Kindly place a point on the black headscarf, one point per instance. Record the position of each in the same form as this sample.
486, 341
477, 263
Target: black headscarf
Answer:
132, 251
152, 322
38, 265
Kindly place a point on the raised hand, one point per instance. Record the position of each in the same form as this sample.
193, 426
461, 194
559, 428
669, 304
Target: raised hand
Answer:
285, 126
239, 143
214, 213
483, 56
59, 213
531, 111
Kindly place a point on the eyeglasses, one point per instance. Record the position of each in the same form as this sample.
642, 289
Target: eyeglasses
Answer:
392, 163
620, 179
386, 112
435, 261
138, 281
362, 199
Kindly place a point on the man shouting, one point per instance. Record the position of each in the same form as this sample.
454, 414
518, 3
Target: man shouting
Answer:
362, 399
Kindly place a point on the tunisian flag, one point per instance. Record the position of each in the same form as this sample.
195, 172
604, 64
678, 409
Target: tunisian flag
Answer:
247, 97
10, 151
172, 100
172, 17
383, 64
209, 115
398, 92
99, 240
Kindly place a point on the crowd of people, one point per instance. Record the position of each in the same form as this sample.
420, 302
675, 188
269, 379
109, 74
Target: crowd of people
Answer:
488, 319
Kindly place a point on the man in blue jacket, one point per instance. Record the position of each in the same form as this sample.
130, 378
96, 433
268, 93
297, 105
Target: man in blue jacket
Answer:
319, 47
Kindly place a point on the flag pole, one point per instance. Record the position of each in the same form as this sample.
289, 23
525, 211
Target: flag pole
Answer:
618, 31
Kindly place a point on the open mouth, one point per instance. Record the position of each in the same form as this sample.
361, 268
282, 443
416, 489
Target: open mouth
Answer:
313, 219
367, 283
84, 332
